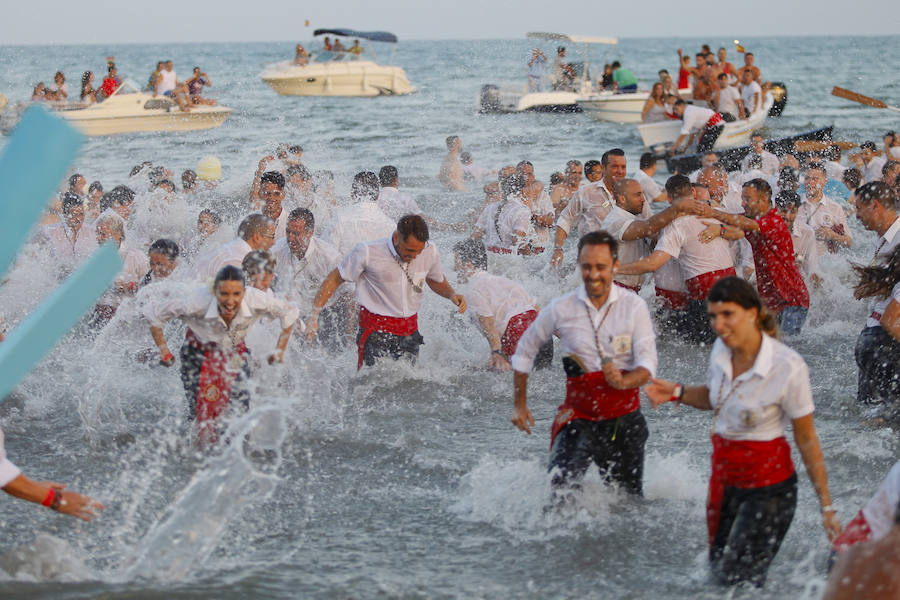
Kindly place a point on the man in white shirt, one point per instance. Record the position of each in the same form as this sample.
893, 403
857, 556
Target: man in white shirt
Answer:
610, 351
770, 162
256, 232
134, 266
590, 205
536, 198
723, 195
890, 171
727, 99
506, 226
362, 220
391, 200
823, 214
302, 260
871, 162
751, 93
167, 80
696, 119
653, 192
390, 275
804, 238
501, 307
71, 240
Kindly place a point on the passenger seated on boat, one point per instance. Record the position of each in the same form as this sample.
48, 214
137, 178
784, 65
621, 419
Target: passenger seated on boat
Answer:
356, 48
655, 107
327, 44
40, 93
338, 46
301, 58
624, 81
60, 91
668, 85
606, 80
88, 93
111, 83
195, 87
153, 80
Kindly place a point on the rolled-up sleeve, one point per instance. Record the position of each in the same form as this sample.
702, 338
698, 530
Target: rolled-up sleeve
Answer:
534, 337
569, 214
354, 264
157, 313
8, 471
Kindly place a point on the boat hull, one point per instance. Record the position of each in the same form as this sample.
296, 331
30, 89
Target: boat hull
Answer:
172, 121
497, 100
614, 108
351, 79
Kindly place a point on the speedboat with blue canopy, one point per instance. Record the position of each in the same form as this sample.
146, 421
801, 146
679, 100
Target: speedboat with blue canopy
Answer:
339, 69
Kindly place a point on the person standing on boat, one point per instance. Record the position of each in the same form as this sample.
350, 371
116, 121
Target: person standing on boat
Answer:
726, 67
111, 83
624, 81
708, 123
390, 276
755, 73
537, 71
755, 385
214, 356
727, 100
610, 351
751, 94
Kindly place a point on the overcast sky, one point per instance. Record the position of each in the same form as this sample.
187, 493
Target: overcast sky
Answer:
149, 21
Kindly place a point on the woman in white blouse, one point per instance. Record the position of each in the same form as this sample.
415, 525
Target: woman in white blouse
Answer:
755, 385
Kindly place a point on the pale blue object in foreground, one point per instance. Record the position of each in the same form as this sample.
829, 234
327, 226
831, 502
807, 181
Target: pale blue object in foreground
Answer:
31, 166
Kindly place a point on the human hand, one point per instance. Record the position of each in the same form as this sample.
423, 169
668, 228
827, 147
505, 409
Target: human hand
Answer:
832, 525
710, 233
556, 258
75, 504
689, 206
523, 419
312, 328
276, 357
659, 391
613, 376
166, 359
460, 301
499, 362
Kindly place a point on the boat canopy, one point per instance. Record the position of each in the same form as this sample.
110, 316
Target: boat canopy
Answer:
375, 36
573, 39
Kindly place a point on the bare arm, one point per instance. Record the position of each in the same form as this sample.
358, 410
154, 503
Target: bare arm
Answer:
165, 355
66, 502
891, 319
444, 289
739, 221
281, 345
678, 143
329, 285
811, 452
661, 391
645, 265
650, 227
522, 417
489, 329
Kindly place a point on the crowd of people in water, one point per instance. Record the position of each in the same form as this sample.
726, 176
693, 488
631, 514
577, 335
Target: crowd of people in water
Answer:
163, 81
710, 257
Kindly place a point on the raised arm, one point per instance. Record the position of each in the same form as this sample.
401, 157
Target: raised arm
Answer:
650, 227
645, 265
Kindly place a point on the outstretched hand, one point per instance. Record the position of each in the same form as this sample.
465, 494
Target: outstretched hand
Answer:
659, 391
523, 419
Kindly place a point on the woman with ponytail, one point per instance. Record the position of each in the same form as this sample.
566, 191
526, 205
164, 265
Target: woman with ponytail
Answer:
755, 385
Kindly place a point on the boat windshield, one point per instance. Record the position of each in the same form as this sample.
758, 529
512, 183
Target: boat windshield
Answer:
328, 56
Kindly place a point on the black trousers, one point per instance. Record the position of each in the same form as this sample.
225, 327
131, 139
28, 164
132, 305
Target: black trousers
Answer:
752, 526
708, 138
381, 344
878, 359
616, 446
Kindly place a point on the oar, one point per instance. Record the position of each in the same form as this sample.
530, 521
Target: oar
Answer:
851, 95
818, 146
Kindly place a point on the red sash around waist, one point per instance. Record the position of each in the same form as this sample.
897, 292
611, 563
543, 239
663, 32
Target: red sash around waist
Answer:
698, 287
673, 300
499, 250
876, 315
634, 288
589, 397
213, 384
369, 322
715, 120
744, 464
514, 330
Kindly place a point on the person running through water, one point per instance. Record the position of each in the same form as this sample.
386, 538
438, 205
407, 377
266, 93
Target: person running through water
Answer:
214, 357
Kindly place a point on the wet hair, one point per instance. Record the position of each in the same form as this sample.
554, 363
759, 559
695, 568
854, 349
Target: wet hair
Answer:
258, 262
166, 183
557, 178
166, 247
600, 238
106, 201
70, 201
254, 224
679, 102
877, 190
122, 194
295, 149
522, 163
647, 160
760, 185
305, 215
852, 177
114, 222
189, 179
229, 273
604, 160
788, 176
868, 146
786, 199
472, 251
739, 291
573, 163
878, 280
388, 175
678, 186
451, 140
95, 186
273, 177
413, 225
616, 64
815, 166
156, 174
590, 165
211, 214
73, 179
365, 187
300, 170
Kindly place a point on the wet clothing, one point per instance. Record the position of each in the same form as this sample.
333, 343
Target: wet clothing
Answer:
8, 471
380, 336
697, 118
878, 359
777, 275
877, 517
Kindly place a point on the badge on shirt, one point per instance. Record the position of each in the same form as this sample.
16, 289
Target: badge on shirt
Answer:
621, 344
748, 418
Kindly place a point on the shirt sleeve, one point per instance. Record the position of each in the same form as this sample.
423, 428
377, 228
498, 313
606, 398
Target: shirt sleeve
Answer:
8, 471
670, 240
158, 313
569, 214
435, 270
617, 225
534, 337
797, 400
354, 263
281, 309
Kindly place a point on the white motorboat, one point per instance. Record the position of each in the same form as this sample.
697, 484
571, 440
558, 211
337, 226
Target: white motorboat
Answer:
658, 135
331, 73
128, 110
614, 107
539, 95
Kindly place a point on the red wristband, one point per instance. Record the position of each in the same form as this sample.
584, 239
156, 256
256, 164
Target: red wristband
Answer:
168, 357
51, 496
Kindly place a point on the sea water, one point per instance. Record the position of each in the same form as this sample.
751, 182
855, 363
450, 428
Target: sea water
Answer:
402, 481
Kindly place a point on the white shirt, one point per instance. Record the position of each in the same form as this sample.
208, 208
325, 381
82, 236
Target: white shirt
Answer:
805, 248
498, 228
728, 101
587, 208
64, 245
649, 187
396, 204
679, 240
498, 297
167, 81
880, 511
770, 163
382, 285
695, 118
872, 172
834, 170
617, 223
752, 96
622, 325
542, 207
358, 223
668, 277
8, 471
824, 213
232, 253
476, 173
759, 403
300, 278
200, 311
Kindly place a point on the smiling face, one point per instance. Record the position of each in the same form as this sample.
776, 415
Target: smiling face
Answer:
229, 295
597, 270
615, 169
755, 203
734, 324
161, 265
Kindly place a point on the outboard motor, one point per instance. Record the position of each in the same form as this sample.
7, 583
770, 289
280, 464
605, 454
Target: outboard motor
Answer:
490, 99
780, 95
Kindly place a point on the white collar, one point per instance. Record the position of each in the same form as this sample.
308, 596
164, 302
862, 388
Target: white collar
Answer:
892, 231
212, 312
761, 366
614, 294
